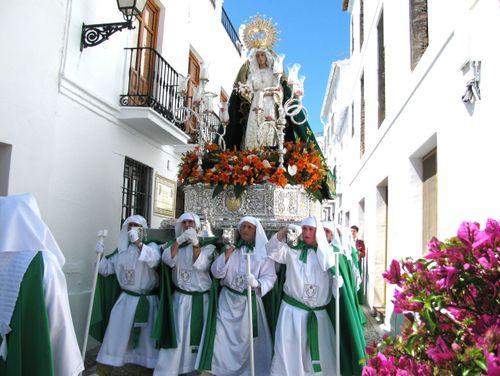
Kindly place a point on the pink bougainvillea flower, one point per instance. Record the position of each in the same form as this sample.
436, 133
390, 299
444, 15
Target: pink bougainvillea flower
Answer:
492, 228
393, 275
451, 276
467, 232
440, 353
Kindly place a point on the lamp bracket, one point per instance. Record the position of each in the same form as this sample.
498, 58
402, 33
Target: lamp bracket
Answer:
92, 35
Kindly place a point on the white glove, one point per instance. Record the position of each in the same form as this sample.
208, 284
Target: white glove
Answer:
337, 282
192, 236
99, 248
133, 235
182, 238
252, 281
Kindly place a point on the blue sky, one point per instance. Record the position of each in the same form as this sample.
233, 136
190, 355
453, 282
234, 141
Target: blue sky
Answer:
313, 33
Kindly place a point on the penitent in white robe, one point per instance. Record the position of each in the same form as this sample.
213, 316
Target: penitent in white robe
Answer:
135, 272
65, 352
265, 135
188, 276
310, 285
232, 345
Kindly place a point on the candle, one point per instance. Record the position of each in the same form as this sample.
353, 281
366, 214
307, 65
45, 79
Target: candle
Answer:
183, 84
223, 114
278, 64
204, 72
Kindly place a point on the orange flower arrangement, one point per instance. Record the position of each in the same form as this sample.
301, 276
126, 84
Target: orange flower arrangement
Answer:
239, 168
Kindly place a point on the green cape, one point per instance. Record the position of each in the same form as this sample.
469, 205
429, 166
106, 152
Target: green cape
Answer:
164, 327
28, 343
352, 319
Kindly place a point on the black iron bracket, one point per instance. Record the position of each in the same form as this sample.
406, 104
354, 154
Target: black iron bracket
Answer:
92, 35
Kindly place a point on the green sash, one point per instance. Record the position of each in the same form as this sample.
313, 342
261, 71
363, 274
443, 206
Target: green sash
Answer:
164, 327
254, 309
28, 343
196, 325
141, 315
207, 347
312, 329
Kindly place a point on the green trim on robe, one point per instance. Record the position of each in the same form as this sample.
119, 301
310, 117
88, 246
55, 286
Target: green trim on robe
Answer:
107, 292
28, 344
352, 340
164, 327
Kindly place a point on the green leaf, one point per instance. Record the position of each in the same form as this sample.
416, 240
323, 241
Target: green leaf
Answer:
218, 189
238, 190
481, 363
429, 319
409, 345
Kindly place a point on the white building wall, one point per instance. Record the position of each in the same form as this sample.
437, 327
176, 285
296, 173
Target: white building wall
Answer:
423, 110
59, 109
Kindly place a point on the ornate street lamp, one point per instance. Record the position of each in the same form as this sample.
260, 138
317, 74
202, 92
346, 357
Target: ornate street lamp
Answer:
92, 35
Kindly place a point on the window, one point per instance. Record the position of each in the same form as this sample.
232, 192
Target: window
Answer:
429, 198
332, 126
194, 70
381, 69
352, 37
143, 59
136, 189
362, 118
223, 96
361, 24
352, 120
5, 157
419, 30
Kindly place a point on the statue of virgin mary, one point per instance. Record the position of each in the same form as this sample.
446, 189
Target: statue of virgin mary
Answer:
253, 107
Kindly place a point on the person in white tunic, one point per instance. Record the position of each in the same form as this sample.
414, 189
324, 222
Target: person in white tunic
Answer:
190, 265
232, 338
263, 106
305, 338
128, 335
24, 240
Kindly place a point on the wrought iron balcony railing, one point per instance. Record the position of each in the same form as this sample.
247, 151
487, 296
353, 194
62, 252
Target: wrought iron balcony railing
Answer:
152, 82
226, 22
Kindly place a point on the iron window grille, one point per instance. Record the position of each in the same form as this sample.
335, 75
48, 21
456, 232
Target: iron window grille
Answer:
136, 190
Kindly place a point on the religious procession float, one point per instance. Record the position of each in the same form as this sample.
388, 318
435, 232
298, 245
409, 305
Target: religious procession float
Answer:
256, 161
259, 156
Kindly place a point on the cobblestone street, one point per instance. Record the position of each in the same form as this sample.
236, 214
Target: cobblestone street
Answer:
373, 331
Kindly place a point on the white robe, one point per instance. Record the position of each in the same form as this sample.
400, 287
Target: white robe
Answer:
232, 345
135, 272
310, 285
259, 80
66, 354
187, 276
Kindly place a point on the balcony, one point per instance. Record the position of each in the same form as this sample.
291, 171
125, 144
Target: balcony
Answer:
151, 99
231, 32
